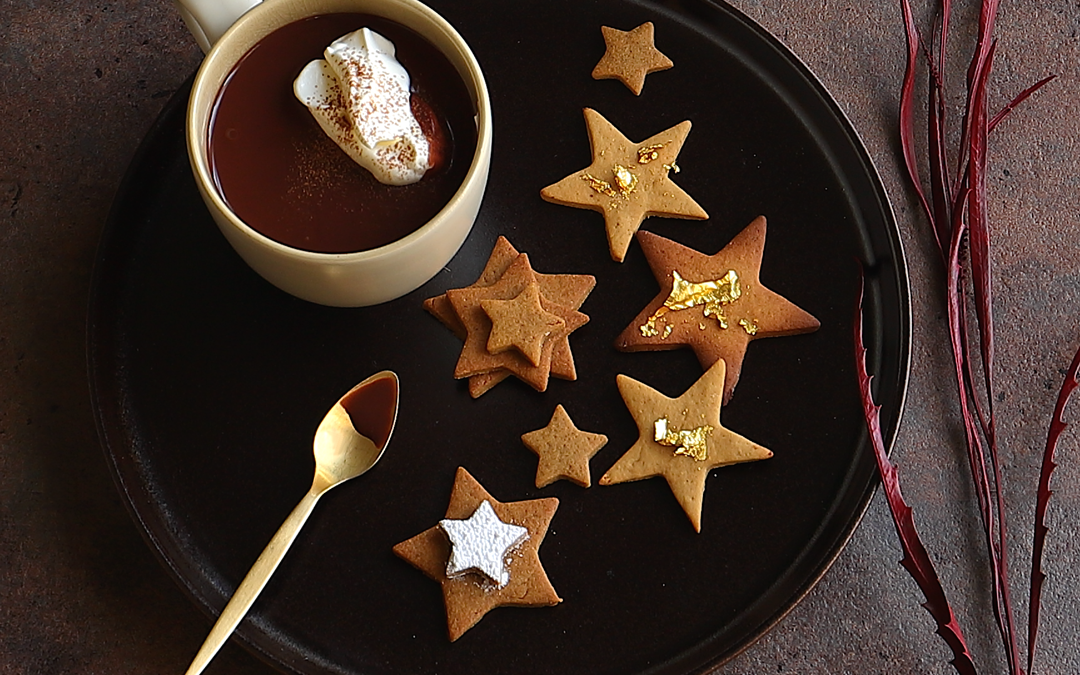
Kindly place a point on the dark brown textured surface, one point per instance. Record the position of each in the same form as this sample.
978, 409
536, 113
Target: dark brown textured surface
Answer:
81, 82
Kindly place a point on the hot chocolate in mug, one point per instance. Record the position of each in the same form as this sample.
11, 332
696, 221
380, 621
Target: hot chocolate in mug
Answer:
228, 30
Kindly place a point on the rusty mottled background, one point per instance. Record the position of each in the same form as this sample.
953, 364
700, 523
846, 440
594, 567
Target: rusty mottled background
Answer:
82, 81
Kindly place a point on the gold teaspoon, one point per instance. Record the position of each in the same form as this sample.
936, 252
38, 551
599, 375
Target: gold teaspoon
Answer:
349, 441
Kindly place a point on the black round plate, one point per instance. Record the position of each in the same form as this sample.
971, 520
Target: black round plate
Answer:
208, 382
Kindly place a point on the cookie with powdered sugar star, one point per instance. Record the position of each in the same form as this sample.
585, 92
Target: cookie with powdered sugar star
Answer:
470, 592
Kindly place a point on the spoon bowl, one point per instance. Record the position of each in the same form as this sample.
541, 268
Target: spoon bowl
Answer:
354, 433
349, 441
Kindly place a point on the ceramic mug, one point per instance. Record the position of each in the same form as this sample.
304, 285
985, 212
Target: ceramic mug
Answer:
226, 30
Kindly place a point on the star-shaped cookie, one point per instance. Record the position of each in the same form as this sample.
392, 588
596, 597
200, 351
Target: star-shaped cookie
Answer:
681, 439
520, 323
627, 181
630, 56
470, 596
481, 543
475, 357
564, 450
715, 305
569, 290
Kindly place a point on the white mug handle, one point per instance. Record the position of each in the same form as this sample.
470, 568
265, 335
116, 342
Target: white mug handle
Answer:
209, 19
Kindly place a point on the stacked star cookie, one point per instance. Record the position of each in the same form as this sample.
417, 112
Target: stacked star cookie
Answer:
514, 321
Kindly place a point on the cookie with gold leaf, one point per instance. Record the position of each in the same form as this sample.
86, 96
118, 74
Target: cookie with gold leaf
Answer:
484, 553
627, 181
681, 439
713, 304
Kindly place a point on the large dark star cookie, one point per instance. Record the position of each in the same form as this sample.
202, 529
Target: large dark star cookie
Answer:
714, 304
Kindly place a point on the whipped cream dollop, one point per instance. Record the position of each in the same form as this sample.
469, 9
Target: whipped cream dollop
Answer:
360, 97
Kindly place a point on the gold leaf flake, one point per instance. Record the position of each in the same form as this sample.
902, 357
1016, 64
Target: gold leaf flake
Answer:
649, 153
713, 295
625, 180
601, 186
692, 443
749, 326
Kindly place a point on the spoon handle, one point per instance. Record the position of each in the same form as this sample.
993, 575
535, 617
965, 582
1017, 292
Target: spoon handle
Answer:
253, 583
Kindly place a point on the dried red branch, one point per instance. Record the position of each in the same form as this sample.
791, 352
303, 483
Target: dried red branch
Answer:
1038, 576
987, 18
907, 115
943, 39
940, 192
981, 285
958, 336
916, 560
1020, 98
956, 207
980, 231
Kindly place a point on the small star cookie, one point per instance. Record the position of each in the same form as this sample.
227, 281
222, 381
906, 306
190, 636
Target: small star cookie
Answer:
630, 56
569, 290
564, 450
468, 594
627, 181
520, 323
475, 357
714, 304
681, 439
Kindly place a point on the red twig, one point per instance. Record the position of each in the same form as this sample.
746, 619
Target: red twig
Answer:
979, 234
916, 560
1020, 98
907, 115
965, 392
956, 207
1057, 426
940, 193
